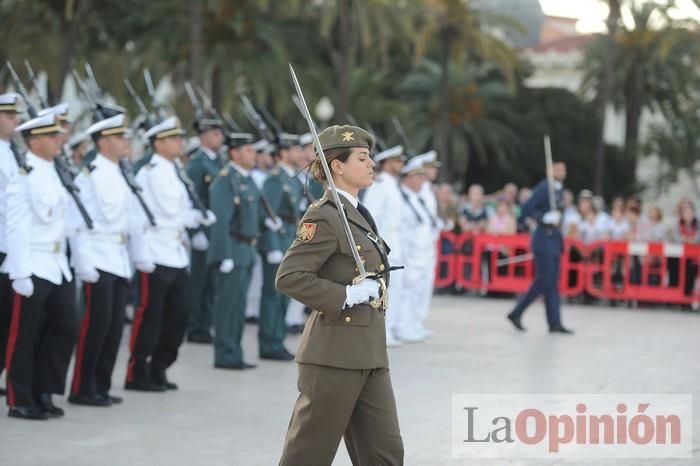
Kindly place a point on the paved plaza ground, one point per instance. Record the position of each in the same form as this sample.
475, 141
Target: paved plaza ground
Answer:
240, 418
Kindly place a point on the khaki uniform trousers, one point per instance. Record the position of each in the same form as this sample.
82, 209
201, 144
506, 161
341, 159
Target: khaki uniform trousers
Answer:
334, 402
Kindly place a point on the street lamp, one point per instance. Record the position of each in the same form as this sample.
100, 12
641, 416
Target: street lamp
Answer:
324, 111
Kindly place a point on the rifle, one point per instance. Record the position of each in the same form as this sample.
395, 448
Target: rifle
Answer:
191, 193
256, 120
233, 126
35, 83
62, 169
404, 137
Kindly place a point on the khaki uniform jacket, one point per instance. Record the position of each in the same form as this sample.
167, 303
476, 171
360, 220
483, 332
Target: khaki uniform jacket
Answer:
315, 271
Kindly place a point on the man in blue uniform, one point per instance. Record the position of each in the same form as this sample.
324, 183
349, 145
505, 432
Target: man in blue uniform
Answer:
547, 245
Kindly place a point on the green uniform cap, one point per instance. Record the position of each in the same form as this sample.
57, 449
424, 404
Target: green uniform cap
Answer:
336, 136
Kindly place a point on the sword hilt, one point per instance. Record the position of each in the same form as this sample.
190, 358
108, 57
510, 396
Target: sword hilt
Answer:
383, 300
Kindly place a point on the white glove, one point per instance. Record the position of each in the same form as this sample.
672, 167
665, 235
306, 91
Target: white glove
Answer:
200, 241
208, 219
23, 286
226, 266
90, 275
362, 292
275, 224
553, 217
146, 267
274, 257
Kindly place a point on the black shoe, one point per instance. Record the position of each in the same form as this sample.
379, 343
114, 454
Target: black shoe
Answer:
295, 329
280, 355
34, 414
45, 404
251, 320
116, 400
235, 366
203, 338
561, 329
516, 322
90, 400
158, 377
144, 386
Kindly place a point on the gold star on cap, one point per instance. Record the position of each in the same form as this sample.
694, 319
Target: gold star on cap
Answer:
347, 136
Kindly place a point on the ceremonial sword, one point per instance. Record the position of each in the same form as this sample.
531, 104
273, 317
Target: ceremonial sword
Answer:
380, 302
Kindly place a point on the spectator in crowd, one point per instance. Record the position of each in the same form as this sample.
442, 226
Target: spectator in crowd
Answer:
509, 193
473, 216
502, 222
603, 216
523, 195
570, 217
447, 205
618, 226
634, 221
686, 230
590, 228
654, 228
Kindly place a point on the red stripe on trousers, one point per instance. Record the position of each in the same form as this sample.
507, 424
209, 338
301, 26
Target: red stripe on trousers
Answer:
138, 320
11, 342
80, 354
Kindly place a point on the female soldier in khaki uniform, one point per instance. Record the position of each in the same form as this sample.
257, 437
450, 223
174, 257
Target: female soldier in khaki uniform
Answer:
344, 384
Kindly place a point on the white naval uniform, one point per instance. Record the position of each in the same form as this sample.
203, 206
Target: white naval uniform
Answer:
8, 169
428, 195
384, 201
165, 194
36, 224
417, 236
119, 223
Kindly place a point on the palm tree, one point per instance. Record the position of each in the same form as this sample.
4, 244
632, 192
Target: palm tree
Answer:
677, 144
605, 90
463, 34
656, 57
359, 29
479, 114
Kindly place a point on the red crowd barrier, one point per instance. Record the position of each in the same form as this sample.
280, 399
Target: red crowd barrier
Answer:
634, 271
640, 271
446, 253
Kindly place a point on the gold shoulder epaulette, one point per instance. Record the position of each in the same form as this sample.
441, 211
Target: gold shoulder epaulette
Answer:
223, 171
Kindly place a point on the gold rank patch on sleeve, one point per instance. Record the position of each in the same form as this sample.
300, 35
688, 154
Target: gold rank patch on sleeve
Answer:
306, 231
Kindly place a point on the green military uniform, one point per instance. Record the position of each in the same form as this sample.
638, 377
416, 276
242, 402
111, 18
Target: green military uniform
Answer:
344, 383
204, 165
88, 158
143, 161
284, 193
314, 190
235, 200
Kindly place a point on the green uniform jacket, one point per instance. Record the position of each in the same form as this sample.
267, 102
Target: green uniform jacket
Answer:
235, 200
315, 271
284, 194
88, 158
144, 160
201, 170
